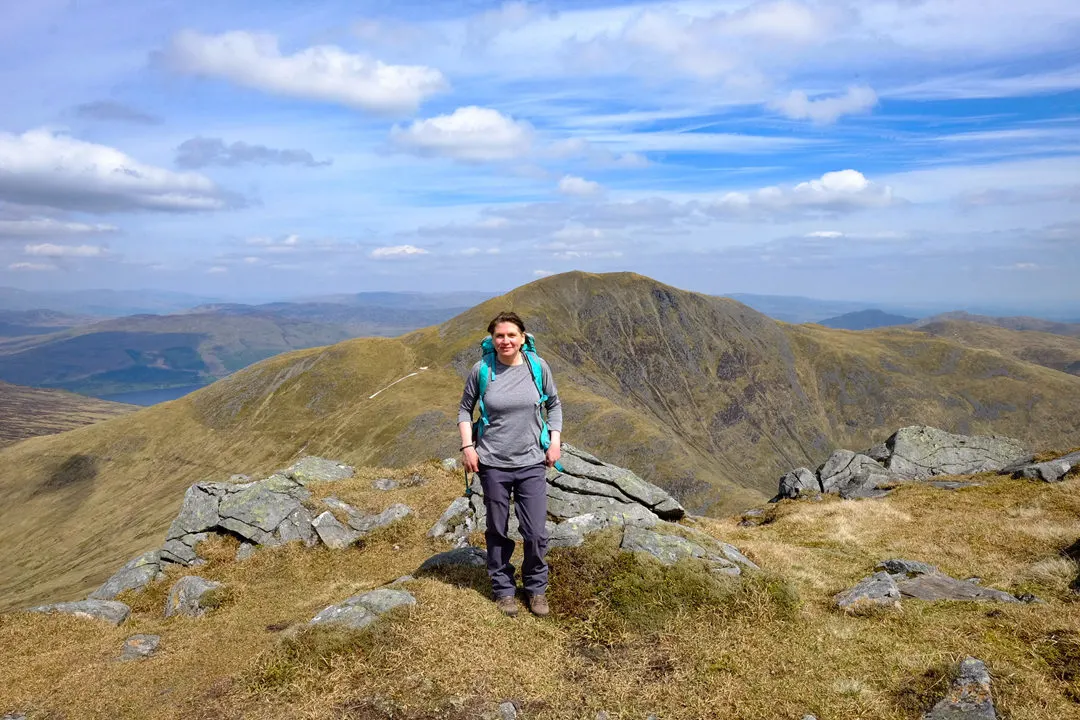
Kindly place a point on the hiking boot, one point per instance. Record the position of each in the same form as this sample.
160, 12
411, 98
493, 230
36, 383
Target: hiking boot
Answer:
507, 605
538, 605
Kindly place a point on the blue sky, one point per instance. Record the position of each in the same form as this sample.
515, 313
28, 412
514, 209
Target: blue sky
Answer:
883, 150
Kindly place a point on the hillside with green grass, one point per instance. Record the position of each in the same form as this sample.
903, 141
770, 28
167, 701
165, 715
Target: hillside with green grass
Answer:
1054, 345
700, 395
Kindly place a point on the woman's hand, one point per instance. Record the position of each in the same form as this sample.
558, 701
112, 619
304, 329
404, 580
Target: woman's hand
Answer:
471, 460
554, 452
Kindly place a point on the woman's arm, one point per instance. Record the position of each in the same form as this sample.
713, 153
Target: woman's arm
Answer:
465, 411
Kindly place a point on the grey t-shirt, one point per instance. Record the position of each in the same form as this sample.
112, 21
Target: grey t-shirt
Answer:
513, 437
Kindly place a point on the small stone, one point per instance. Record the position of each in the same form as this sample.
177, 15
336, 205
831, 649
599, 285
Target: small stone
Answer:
1028, 598
384, 484
109, 611
508, 711
360, 611
878, 590
470, 557
907, 568
386, 518
186, 594
451, 464
602, 715
139, 647
245, 551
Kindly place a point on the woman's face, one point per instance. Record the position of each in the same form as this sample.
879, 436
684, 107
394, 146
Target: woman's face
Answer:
508, 340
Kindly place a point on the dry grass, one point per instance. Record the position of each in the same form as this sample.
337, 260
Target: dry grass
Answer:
629, 636
28, 412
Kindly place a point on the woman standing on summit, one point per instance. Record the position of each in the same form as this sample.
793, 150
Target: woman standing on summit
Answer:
512, 451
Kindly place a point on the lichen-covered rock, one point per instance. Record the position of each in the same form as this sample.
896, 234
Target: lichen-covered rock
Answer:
332, 533
135, 575
669, 549
109, 611
297, 527
257, 506
360, 611
311, 469
198, 513
186, 596
181, 550
919, 452
969, 696
935, 587
139, 647
878, 590
583, 466
798, 483
853, 476
455, 516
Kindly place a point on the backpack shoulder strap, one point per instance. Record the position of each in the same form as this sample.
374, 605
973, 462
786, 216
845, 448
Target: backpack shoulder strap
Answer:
487, 371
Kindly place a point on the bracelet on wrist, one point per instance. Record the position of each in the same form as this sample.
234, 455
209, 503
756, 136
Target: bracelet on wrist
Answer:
466, 446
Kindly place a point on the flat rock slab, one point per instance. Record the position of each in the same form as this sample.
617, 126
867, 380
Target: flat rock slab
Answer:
109, 611
333, 534
669, 549
582, 467
186, 595
135, 575
969, 696
139, 647
360, 611
878, 590
919, 452
468, 557
317, 469
389, 516
1050, 471
942, 587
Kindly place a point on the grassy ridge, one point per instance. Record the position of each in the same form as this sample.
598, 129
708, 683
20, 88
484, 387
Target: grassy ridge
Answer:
29, 412
698, 394
1059, 351
627, 636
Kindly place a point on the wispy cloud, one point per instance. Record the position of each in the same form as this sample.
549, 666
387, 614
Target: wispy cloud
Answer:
112, 111
201, 152
51, 250
397, 251
40, 227
798, 106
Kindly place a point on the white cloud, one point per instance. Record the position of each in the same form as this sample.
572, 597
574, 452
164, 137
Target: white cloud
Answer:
252, 260
798, 106
471, 251
825, 234
512, 15
573, 233
397, 251
40, 167
50, 250
217, 270
833, 192
542, 273
324, 72
1024, 266
33, 267
469, 134
571, 185
50, 227
595, 154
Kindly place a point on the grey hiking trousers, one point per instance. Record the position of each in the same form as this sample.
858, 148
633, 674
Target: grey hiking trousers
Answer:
529, 488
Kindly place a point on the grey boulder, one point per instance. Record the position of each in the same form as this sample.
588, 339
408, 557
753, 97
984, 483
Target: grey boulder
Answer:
878, 590
669, 549
467, 557
332, 533
1050, 471
969, 696
583, 466
109, 611
360, 611
316, 469
798, 483
187, 595
855, 476
386, 518
907, 568
135, 575
919, 452
934, 587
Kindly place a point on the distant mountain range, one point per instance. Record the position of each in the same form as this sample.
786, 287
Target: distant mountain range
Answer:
18, 323
865, 320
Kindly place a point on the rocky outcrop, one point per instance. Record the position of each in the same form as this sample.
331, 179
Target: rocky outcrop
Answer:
360, 611
669, 549
108, 611
969, 696
898, 579
587, 496
188, 596
877, 591
1049, 471
919, 452
914, 453
135, 575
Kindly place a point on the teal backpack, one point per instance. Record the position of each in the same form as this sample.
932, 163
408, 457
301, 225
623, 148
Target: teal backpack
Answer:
487, 372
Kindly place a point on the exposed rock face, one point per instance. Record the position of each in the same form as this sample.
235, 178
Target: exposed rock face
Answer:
669, 549
1050, 471
186, 596
911, 453
360, 611
969, 697
878, 590
108, 611
311, 469
850, 475
139, 647
135, 575
585, 474
919, 452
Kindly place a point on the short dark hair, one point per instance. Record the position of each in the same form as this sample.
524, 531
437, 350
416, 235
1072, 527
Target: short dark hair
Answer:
506, 316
